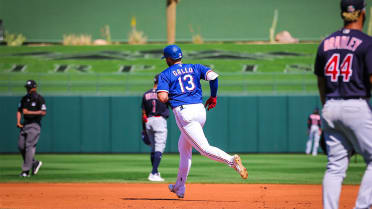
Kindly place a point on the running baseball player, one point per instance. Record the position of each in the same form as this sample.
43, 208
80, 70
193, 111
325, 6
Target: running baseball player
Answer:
314, 130
154, 115
32, 107
344, 70
180, 85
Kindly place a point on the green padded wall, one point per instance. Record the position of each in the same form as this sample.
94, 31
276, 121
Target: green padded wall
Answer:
8, 124
214, 20
80, 124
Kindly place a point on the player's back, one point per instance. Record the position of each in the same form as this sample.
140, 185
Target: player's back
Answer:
343, 59
314, 118
182, 82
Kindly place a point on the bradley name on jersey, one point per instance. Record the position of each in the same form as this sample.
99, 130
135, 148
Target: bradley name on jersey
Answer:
342, 42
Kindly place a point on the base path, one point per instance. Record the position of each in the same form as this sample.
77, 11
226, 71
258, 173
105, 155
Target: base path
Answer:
123, 195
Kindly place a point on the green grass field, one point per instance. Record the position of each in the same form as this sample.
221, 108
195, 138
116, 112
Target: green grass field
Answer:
134, 168
277, 68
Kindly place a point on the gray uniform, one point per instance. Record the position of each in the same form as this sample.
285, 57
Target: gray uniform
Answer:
155, 114
156, 129
29, 134
344, 67
348, 127
156, 126
27, 140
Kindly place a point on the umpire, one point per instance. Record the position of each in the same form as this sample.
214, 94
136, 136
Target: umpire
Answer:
32, 107
154, 115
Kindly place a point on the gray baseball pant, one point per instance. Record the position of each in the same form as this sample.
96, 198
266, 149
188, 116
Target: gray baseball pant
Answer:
347, 127
156, 128
28, 138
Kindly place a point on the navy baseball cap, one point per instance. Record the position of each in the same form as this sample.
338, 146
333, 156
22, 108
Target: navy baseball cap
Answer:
172, 51
352, 5
30, 84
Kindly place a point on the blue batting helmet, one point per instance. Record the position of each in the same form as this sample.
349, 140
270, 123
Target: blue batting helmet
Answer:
172, 51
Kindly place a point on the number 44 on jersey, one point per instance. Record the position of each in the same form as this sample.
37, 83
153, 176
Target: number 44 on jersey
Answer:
334, 69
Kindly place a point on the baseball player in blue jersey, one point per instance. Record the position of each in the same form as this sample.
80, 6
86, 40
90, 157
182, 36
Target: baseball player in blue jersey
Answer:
180, 85
344, 69
313, 125
154, 115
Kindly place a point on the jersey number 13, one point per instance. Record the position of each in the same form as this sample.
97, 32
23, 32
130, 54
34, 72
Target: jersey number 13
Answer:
186, 82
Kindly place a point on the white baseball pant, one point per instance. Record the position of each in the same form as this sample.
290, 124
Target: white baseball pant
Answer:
190, 120
314, 137
347, 127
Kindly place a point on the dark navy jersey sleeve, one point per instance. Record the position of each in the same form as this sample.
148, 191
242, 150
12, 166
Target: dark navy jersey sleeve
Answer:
319, 62
368, 59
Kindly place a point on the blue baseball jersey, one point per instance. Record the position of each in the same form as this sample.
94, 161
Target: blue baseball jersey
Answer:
344, 59
182, 82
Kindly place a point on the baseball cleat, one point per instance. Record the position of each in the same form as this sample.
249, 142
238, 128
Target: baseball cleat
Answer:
36, 167
24, 174
155, 177
171, 189
238, 166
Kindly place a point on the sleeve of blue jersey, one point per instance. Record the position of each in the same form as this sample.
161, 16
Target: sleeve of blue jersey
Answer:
163, 84
213, 85
203, 71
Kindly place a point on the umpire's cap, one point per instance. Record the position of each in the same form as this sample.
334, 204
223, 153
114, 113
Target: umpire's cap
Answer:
352, 5
156, 79
172, 51
30, 84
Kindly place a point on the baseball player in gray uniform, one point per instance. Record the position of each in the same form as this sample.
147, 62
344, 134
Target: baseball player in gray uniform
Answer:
314, 130
344, 69
33, 108
154, 115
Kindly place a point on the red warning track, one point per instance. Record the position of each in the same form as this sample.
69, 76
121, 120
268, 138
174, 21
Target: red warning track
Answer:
121, 195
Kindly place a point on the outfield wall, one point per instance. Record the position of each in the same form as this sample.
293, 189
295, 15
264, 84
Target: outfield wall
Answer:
251, 124
214, 20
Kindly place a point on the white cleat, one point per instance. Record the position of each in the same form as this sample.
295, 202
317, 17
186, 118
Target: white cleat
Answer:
179, 194
36, 167
238, 166
155, 177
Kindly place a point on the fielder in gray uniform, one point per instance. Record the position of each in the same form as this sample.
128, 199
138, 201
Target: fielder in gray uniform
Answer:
314, 131
154, 115
33, 108
344, 69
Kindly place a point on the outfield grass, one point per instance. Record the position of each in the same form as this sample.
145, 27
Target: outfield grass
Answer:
274, 72
134, 168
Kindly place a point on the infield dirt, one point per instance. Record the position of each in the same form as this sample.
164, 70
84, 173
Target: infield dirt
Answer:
123, 195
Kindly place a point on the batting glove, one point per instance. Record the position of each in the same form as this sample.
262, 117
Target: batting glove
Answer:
144, 118
211, 103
